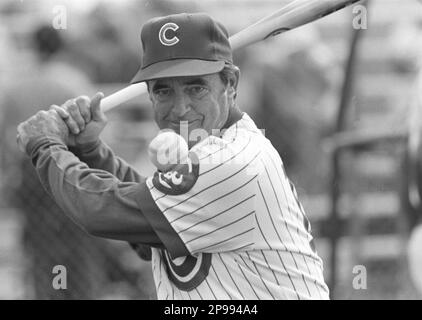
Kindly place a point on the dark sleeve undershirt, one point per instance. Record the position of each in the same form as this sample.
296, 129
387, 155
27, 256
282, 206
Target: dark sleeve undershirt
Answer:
95, 199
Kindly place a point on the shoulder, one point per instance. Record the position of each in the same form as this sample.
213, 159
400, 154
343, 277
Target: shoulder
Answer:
242, 136
233, 149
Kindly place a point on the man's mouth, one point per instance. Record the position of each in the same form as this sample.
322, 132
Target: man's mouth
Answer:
182, 123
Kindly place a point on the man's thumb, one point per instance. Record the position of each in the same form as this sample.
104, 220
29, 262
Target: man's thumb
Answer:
96, 113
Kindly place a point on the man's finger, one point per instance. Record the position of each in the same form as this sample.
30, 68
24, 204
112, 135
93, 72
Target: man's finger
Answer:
71, 123
96, 112
83, 103
60, 111
74, 112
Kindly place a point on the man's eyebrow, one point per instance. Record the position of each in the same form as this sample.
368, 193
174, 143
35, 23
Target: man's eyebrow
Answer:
196, 81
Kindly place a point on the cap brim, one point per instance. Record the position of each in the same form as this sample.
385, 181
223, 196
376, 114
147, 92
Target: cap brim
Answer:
178, 68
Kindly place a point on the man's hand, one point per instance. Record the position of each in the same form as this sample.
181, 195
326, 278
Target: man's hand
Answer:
83, 117
42, 124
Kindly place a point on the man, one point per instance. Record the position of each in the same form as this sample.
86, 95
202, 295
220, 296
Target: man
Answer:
225, 225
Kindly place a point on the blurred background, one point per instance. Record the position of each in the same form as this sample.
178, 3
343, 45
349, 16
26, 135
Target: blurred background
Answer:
318, 91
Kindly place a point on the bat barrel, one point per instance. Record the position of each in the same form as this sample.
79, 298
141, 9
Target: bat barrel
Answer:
293, 15
123, 95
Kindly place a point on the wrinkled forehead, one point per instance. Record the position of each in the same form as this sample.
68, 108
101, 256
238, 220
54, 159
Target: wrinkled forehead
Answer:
209, 80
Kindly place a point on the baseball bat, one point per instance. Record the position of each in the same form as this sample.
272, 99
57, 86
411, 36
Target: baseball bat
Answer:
293, 15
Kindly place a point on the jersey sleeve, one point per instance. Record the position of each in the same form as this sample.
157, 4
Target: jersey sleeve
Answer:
207, 205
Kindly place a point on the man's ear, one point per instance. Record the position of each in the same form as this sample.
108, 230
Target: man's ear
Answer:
233, 82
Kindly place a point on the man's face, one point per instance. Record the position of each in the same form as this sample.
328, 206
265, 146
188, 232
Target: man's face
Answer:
202, 102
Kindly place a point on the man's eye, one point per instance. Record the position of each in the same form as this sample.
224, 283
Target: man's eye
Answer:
162, 93
197, 91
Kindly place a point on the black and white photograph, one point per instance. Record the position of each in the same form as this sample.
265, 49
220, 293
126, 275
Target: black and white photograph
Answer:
210, 150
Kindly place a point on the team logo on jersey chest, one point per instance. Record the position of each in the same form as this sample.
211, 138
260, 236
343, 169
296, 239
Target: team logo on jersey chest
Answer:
187, 273
180, 179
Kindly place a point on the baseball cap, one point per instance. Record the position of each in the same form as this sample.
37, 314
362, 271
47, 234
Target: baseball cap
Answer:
184, 44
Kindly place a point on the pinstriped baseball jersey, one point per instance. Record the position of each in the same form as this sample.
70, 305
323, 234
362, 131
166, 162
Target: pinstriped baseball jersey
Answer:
232, 224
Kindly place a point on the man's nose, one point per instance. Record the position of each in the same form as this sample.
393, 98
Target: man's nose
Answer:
181, 105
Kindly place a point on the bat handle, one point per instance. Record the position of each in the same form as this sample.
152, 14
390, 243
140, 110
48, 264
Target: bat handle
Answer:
110, 102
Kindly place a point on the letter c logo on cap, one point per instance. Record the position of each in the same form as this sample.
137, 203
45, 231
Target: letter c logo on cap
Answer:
162, 34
